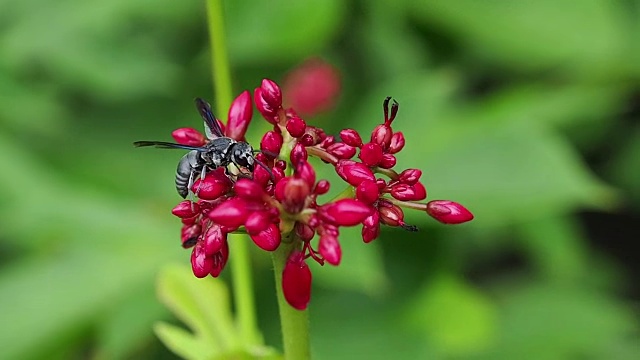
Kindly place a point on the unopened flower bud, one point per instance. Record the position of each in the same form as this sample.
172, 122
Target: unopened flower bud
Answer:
345, 212
231, 213
312, 87
201, 264
268, 99
388, 161
240, 114
351, 137
220, 260
212, 186
397, 143
448, 212
186, 209
391, 215
248, 189
329, 248
367, 192
322, 187
256, 222
189, 235
298, 154
271, 143
296, 281
189, 136
354, 172
304, 231
296, 127
381, 135
370, 233
213, 239
406, 192
305, 171
341, 150
306, 140
267, 239
371, 154
327, 141
410, 176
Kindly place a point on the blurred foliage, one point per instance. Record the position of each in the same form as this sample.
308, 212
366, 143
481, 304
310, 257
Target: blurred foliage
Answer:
501, 103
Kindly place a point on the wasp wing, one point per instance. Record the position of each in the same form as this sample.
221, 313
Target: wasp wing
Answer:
166, 145
212, 128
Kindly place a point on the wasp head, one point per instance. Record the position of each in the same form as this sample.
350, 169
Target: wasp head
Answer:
242, 155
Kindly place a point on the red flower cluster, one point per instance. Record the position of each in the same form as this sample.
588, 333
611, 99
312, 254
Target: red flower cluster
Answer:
280, 200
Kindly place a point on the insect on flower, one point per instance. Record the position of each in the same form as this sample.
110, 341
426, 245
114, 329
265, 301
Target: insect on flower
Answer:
219, 151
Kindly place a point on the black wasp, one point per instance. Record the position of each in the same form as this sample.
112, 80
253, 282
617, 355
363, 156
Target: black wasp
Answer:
219, 151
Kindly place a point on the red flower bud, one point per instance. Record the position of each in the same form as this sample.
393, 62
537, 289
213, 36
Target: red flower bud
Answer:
248, 189
278, 174
306, 140
448, 212
295, 194
189, 136
305, 232
353, 172
370, 233
298, 154
296, 281
312, 87
220, 260
327, 141
213, 240
406, 192
267, 239
351, 137
341, 150
231, 213
281, 164
367, 192
370, 154
189, 235
381, 184
186, 209
322, 187
256, 222
388, 161
305, 171
329, 248
271, 143
214, 185
345, 212
201, 264
397, 143
296, 127
268, 99
410, 176
240, 114
391, 215
261, 176
381, 135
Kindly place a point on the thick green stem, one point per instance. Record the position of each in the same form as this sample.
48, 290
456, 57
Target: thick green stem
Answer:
239, 262
294, 323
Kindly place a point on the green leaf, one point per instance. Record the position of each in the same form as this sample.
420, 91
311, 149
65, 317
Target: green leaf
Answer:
287, 30
587, 37
202, 304
182, 342
454, 317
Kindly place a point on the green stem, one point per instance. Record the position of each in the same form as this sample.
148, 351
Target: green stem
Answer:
240, 264
294, 323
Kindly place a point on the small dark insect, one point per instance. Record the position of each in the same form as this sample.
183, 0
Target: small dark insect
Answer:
219, 151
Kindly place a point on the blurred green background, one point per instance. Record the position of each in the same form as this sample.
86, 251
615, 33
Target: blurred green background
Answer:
527, 112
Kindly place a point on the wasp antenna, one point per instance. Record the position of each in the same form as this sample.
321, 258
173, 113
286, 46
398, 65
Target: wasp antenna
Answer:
266, 152
264, 166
